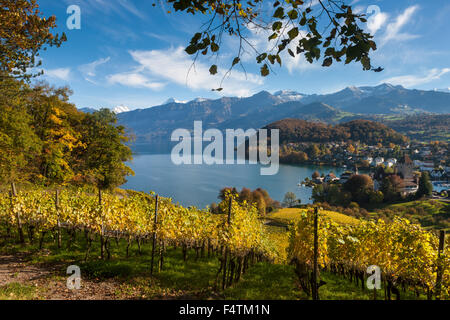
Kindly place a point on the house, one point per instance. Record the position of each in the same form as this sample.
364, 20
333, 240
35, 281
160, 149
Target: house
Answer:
378, 161
330, 177
367, 158
417, 163
409, 187
318, 180
437, 174
392, 160
427, 166
390, 163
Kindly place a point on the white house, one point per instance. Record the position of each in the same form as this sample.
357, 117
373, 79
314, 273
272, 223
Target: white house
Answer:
390, 162
378, 161
437, 174
330, 177
367, 158
427, 166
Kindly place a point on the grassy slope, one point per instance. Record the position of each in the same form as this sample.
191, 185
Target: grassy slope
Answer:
291, 214
431, 214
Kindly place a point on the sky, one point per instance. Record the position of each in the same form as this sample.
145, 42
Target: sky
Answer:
128, 52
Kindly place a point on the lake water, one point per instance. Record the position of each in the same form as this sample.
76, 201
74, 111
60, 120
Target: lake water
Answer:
199, 185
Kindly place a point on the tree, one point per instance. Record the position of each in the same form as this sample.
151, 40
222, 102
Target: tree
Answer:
315, 174
104, 152
19, 144
330, 31
391, 187
23, 33
333, 194
223, 192
55, 120
376, 197
290, 199
425, 186
360, 186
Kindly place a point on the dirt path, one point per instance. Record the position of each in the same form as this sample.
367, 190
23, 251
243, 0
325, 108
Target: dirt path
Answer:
49, 283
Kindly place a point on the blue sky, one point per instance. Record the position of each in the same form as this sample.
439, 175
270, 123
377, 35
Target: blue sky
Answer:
128, 52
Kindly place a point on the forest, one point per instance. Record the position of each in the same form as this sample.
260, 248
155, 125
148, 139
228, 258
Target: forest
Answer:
364, 131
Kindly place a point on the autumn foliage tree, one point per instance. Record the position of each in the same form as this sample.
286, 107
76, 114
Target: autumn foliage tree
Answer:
259, 197
24, 31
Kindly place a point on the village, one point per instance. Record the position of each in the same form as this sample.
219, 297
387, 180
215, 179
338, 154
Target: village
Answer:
406, 162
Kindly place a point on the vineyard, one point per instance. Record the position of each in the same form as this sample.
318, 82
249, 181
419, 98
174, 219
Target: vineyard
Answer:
408, 256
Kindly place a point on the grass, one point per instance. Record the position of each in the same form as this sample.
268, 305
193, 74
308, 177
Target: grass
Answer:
18, 291
431, 214
291, 214
430, 206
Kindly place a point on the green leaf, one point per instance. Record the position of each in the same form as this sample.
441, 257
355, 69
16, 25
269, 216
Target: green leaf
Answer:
213, 69
277, 25
191, 49
261, 57
273, 36
214, 47
293, 33
265, 70
236, 60
195, 38
278, 58
279, 13
327, 62
293, 14
303, 21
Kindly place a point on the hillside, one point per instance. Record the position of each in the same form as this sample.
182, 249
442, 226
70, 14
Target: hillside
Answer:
365, 131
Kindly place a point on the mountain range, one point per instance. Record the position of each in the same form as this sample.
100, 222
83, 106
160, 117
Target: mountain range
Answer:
155, 124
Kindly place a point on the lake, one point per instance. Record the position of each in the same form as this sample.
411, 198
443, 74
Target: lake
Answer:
199, 185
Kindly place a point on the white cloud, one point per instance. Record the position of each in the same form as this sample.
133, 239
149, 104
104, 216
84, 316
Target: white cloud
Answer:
60, 73
121, 7
135, 80
175, 65
89, 69
376, 22
414, 80
393, 29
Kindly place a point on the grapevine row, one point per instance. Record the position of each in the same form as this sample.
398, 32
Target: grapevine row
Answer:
406, 254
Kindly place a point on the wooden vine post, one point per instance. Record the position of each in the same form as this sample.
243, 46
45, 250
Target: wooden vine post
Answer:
59, 221
13, 194
102, 241
155, 222
439, 266
314, 287
224, 281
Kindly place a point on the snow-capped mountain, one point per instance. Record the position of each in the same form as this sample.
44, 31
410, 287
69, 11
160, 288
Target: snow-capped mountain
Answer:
289, 95
120, 109
447, 90
173, 100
